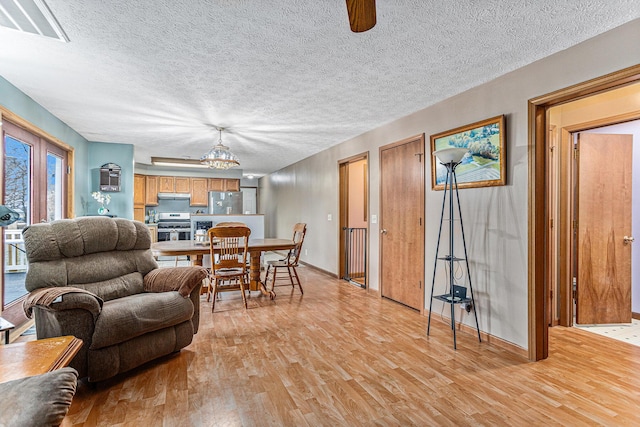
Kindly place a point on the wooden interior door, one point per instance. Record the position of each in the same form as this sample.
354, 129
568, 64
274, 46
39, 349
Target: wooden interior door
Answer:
603, 202
402, 222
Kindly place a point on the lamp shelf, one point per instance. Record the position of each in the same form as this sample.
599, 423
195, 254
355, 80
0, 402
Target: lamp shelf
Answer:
449, 258
451, 299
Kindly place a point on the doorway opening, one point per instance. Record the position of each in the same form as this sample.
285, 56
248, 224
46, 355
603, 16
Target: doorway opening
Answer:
599, 264
550, 221
354, 224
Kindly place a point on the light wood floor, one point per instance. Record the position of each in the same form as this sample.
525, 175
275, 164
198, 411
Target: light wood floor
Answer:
338, 356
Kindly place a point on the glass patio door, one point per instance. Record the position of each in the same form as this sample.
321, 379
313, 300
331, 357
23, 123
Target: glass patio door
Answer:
35, 187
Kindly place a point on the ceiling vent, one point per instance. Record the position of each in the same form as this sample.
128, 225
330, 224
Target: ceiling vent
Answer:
31, 16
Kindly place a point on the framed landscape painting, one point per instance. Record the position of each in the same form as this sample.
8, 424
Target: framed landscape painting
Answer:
485, 163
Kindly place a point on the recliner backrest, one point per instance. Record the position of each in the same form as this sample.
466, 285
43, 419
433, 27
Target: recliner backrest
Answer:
107, 256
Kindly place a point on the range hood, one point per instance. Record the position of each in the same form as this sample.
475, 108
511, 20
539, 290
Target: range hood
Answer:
174, 196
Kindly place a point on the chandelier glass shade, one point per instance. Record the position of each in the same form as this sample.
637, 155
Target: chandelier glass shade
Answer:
219, 157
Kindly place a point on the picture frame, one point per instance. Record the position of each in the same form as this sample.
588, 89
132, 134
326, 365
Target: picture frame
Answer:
485, 166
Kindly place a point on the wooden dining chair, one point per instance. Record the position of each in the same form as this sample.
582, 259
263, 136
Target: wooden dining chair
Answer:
290, 262
236, 224
229, 249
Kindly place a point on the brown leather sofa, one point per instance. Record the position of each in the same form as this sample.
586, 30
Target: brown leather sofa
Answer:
95, 278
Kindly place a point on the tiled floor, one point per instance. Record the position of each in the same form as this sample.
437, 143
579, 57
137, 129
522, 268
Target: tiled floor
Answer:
629, 333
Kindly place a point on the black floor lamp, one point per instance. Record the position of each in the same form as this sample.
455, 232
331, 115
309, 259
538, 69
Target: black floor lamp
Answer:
450, 158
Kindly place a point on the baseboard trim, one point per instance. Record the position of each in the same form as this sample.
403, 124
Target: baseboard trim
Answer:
635, 315
328, 273
486, 337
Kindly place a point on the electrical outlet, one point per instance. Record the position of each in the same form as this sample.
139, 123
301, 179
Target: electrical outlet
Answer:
329, 217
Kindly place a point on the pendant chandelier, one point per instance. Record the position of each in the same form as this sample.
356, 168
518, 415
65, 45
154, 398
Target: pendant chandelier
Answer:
219, 157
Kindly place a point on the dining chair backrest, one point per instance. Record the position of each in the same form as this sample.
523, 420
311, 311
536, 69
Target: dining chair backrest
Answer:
229, 247
231, 224
299, 231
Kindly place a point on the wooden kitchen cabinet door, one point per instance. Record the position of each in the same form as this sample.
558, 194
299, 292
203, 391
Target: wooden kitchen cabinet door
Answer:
139, 191
216, 184
151, 191
165, 184
232, 185
138, 214
182, 184
199, 192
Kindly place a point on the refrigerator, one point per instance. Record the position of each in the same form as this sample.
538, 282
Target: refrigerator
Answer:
225, 202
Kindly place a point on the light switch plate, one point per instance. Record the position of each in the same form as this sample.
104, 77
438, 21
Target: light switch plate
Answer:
374, 219
329, 217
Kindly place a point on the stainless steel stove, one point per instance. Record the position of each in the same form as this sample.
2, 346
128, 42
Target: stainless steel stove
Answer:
174, 226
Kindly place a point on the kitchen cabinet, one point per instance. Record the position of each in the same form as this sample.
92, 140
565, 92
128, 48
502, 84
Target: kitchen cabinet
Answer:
151, 191
231, 185
199, 192
171, 184
138, 191
147, 187
165, 184
182, 184
153, 229
138, 214
216, 184
224, 184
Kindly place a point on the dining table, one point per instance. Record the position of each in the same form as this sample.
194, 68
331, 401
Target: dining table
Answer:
197, 250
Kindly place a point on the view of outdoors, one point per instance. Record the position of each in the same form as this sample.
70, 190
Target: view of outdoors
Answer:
17, 190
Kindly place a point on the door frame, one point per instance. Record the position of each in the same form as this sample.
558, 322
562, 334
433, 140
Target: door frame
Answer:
343, 194
6, 115
538, 214
421, 138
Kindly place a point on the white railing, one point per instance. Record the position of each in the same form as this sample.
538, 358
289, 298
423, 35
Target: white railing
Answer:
15, 258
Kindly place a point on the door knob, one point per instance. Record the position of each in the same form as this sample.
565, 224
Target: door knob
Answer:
628, 239
383, 231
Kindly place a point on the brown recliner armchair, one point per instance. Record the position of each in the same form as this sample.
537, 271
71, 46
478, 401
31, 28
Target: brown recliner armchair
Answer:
95, 278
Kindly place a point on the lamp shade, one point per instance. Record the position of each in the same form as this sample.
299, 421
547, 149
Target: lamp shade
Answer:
219, 157
8, 216
450, 155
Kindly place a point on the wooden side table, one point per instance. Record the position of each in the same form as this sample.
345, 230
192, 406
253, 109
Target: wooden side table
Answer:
37, 357
5, 327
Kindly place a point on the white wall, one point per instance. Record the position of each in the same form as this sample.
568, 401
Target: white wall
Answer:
495, 218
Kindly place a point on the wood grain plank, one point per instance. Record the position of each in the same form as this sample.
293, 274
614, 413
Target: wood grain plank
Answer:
339, 356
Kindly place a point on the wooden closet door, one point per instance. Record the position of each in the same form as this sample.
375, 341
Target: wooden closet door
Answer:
402, 222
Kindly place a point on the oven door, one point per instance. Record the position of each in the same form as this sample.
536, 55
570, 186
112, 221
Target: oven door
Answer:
164, 235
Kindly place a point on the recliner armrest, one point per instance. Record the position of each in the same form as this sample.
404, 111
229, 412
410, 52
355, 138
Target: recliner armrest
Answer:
63, 298
181, 279
78, 301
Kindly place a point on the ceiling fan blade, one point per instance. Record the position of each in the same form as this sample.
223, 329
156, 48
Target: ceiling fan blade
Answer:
362, 14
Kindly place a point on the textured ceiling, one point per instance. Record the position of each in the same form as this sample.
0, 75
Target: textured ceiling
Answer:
286, 77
